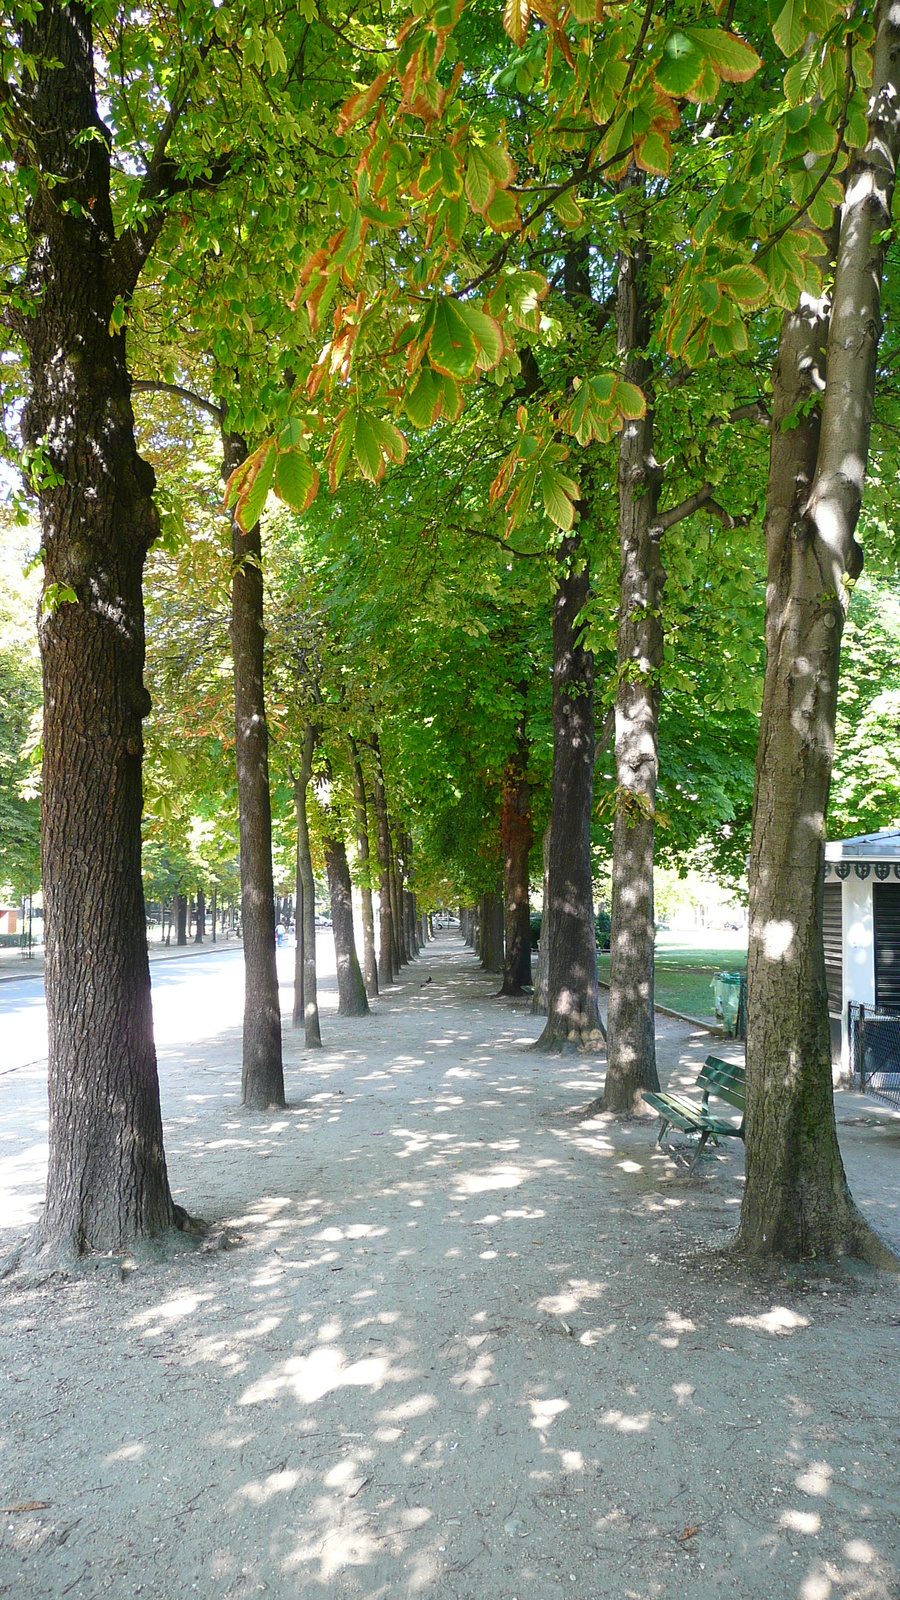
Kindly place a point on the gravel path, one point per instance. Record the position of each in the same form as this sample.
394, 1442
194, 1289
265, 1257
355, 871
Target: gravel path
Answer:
466, 1349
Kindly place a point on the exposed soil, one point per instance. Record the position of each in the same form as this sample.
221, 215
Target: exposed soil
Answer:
470, 1345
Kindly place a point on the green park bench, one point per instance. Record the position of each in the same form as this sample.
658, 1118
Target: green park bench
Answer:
722, 1079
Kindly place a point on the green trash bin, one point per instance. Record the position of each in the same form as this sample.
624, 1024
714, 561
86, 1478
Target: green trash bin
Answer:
727, 987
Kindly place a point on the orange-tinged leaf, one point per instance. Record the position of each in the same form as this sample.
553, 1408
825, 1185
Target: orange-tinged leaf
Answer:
516, 14
360, 104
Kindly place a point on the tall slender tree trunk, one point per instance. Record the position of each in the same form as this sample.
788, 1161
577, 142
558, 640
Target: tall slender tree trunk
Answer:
573, 1004
401, 954
201, 917
370, 964
106, 1184
352, 1000
262, 1077
542, 970
306, 998
386, 968
516, 839
215, 908
492, 930
796, 1200
181, 919
631, 1022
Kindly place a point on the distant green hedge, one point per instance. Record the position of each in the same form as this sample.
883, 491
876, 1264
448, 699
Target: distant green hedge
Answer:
601, 926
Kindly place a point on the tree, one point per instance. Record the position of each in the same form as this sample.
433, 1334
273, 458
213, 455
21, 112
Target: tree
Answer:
796, 1202
107, 1181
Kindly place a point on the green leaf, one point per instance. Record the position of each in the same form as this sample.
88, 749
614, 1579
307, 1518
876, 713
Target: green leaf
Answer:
681, 64
629, 400
488, 335
746, 285
789, 28
568, 210
503, 213
559, 495
734, 60
296, 480
422, 403
452, 346
365, 448
480, 183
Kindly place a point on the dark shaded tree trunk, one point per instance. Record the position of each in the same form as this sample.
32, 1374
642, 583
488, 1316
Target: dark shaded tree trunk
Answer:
542, 971
181, 919
370, 964
492, 930
516, 839
796, 1200
306, 998
262, 1077
352, 1000
107, 1184
386, 968
214, 912
573, 1005
401, 953
631, 1021
201, 917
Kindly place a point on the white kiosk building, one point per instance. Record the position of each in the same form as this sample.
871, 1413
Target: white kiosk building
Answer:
862, 945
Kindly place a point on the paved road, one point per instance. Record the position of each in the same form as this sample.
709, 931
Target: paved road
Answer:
193, 999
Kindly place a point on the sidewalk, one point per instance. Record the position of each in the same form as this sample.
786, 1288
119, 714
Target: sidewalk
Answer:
14, 966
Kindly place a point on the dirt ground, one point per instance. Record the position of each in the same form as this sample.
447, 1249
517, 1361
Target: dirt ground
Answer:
470, 1345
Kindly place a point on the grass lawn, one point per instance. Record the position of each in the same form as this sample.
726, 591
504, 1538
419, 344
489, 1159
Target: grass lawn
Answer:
686, 964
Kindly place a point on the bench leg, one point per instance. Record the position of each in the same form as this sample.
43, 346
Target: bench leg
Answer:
699, 1151
662, 1129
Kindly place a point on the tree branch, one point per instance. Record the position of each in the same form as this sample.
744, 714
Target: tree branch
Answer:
156, 386
695, 502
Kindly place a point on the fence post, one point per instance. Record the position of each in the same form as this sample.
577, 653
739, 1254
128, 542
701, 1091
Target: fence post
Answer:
862, 1049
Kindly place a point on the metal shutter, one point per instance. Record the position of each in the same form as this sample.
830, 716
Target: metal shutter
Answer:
887, 945
833, 940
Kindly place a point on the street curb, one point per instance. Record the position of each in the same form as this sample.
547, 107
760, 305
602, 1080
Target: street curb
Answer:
186, 955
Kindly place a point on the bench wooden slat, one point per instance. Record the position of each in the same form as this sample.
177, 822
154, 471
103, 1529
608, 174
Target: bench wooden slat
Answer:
722, 1079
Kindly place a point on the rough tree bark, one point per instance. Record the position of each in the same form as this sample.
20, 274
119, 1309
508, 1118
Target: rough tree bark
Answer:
401, 951
352, 1000
573, 1004
796, 1200
386, 968
631, 1023
370, 965
491, 921
262, 1077
201, 917
306, 999
516, 839
181, 919
107, 1184
542, 970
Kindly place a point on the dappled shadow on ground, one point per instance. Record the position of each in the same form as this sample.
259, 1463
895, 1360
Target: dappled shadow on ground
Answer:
459, 1353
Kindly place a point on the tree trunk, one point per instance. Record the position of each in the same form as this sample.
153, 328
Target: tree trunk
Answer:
516, 839
262, 1078
181, 919
573, 1004
107, 1184
401, 953
201, 917
306, 999
631, 1022
796, 1200
370, 965
542, 971
386, 968
352, 1000
492, 930
214, 911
